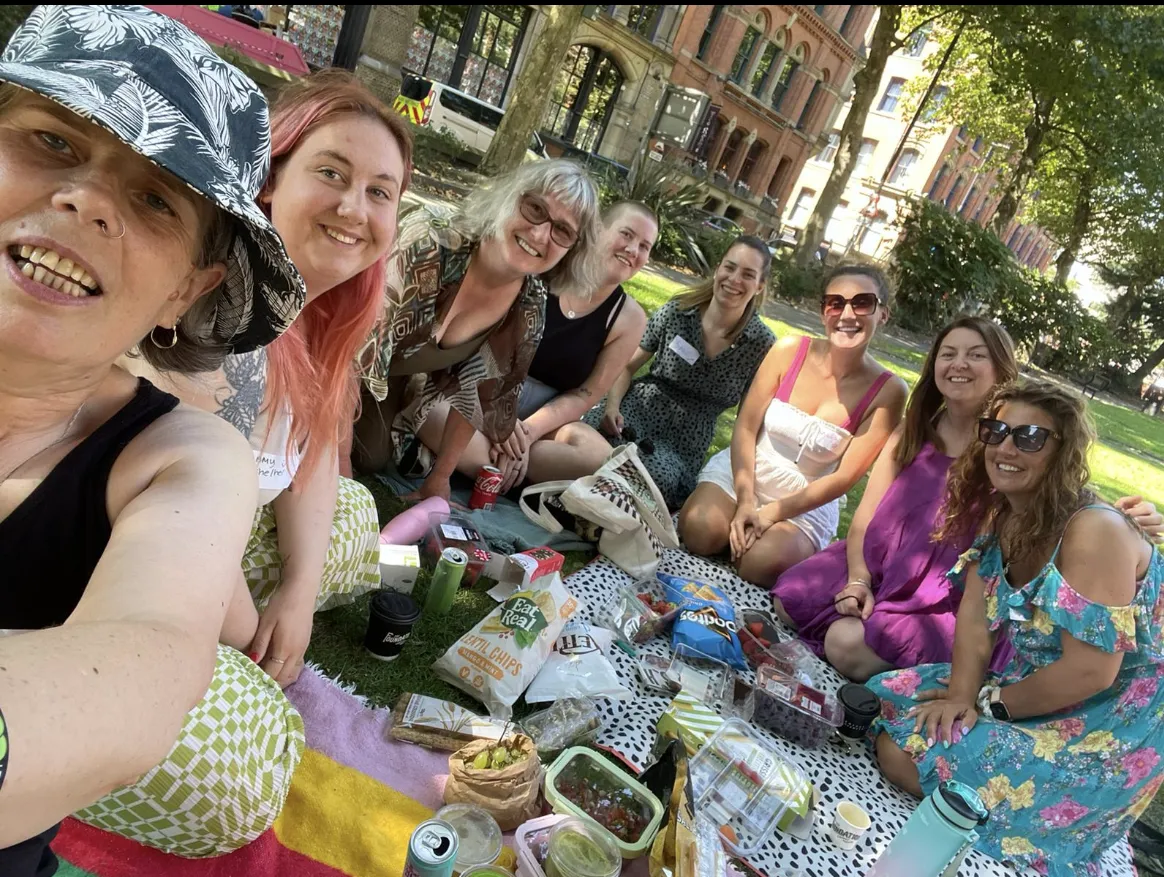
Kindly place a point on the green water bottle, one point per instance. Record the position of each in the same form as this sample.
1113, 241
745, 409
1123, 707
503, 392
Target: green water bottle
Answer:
446, 581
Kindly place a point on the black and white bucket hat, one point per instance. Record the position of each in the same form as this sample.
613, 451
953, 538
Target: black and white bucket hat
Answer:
150, 81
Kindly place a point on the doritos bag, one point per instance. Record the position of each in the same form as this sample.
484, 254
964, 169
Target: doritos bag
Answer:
707, 621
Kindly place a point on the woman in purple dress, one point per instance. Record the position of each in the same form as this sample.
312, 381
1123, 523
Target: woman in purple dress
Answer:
879, 599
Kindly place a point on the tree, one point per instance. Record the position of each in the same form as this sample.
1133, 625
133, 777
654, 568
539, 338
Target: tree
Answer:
531, 90
11, 17
866, 85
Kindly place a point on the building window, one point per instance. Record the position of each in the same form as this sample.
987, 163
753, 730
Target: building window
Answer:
709, 32
955, 191
977, 145
583, 97
916, 44
755, 154
892, 96
830, 149
834, 231
803, 207
848, 21
768, 61
779, 178
864, 156
939, 181
644, 20
810, 105
905, 163
729, 151
968, 200
819, 10
935, 103
744, 54
471, 48
782, 83
871, 237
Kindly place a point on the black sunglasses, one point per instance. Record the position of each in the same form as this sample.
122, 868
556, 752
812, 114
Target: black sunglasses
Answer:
536, 213
1027, 438
864, 304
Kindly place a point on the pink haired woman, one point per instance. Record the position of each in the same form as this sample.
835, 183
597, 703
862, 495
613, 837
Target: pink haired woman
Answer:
340, 162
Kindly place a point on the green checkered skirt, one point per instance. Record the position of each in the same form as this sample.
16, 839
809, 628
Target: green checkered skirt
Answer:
227, 777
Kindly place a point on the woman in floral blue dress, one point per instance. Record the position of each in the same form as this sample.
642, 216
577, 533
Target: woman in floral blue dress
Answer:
1064, 745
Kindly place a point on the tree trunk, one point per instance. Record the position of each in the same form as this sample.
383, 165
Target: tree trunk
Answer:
1079, 225
531, 90
1149, 366
1035, 132
866, 83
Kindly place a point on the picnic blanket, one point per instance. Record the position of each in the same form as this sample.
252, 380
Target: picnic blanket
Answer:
354, 802
837, 773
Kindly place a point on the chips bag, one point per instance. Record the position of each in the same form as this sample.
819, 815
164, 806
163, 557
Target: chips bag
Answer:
707, 620
497, 659
578, 667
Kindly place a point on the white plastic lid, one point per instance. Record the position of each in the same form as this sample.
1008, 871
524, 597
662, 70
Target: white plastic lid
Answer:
744, 785
478, 832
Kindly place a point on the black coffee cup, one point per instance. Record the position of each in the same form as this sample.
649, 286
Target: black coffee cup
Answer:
390, 621
862, 707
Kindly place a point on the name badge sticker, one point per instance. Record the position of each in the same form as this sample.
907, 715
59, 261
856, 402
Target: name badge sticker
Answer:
682, 348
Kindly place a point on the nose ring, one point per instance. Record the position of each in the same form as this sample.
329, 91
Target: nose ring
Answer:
105, 230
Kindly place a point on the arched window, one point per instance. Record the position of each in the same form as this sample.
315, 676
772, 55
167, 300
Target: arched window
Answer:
709, 32
795, 59
777, 181
769, 63
755, 155
905, 163
939, 181
968, 200
583, 98
735, 139
955, 191
744, 54
814, 97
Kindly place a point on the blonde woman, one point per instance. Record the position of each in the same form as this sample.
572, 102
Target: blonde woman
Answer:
703, 346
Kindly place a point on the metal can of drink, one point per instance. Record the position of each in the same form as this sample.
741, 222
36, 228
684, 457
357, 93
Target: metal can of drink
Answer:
446, 580
486, 488
432, 850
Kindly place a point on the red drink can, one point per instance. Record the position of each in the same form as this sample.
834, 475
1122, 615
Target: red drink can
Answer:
486, 488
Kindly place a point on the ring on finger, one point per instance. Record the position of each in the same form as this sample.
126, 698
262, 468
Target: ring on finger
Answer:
277, 660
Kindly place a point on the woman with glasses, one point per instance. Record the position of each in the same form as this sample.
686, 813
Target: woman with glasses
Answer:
879, 599
588, 341
1063, 743
814, 420
465, 310
703, 347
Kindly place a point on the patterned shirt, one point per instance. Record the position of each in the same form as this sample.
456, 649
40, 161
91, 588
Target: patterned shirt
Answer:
424, 273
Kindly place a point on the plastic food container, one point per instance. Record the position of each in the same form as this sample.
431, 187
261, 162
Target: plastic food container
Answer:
579, 848
569, 721
794, 710
456, 531
759, 637
532, 842
746, 788
707, 679
478, 832
582, 784
631, 620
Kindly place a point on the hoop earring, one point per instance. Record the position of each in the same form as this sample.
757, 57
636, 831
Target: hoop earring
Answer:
173, 337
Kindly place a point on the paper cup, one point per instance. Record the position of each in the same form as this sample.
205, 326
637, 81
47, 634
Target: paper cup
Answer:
849, 823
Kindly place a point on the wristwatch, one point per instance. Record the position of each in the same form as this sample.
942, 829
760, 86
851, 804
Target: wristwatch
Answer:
990, 702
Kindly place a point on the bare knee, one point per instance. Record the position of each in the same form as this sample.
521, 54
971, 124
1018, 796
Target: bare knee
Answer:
780, 612
897, 766
778, 550
845, 648
703, 528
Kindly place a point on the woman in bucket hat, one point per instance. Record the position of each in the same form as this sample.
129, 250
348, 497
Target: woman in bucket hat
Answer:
341, 161
130, 158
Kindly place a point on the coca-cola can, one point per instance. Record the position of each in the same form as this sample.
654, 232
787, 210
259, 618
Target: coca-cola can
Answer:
486, 488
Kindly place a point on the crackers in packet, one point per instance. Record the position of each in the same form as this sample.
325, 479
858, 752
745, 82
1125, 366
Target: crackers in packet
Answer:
677, 850
707, 620
497, 659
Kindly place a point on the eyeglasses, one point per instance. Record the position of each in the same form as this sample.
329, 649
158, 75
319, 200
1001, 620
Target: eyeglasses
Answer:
535, 212
1027, 438
864, 304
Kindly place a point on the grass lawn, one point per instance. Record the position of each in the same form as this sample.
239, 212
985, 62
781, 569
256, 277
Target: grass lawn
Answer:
1120, 466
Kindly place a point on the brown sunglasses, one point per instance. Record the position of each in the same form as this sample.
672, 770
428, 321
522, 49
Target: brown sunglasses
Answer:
863, 303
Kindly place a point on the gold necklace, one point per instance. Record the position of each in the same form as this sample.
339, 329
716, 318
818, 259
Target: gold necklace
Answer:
50, 445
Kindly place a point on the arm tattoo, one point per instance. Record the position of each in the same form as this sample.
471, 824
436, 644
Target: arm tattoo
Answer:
240, 401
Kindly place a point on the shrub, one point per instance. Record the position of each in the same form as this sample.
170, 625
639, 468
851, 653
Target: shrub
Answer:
433, 149
793, 283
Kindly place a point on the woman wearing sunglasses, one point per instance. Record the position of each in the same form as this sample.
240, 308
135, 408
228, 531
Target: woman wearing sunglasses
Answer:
879, 599
465, 310
815, 418
1064, 742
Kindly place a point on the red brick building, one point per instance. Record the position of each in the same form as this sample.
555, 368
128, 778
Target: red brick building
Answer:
775, 76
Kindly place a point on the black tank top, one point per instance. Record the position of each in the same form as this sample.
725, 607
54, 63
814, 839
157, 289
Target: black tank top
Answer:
570, 348
51, 542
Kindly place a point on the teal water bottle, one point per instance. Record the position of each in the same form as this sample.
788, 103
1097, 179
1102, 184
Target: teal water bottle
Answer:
936, 837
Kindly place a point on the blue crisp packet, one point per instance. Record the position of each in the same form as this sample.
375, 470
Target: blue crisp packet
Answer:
706, 621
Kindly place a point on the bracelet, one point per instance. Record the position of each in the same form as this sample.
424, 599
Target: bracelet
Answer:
3, 749
859, 581
840, 600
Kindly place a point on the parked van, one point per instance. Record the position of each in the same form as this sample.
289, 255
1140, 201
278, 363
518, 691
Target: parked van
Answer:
436, 105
